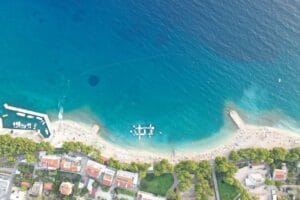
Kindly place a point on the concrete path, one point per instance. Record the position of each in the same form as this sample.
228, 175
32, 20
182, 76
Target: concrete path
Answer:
213, 172
175, 183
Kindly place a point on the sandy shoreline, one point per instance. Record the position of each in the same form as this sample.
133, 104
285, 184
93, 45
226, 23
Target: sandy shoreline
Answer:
246, 136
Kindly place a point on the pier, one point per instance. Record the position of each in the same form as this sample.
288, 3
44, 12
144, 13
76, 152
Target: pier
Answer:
237, 119
19, 118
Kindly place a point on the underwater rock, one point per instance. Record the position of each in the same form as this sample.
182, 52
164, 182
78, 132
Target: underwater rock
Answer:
93, 80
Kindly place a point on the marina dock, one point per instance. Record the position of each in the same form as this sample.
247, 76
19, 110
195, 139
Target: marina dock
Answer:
237, 119
19, 118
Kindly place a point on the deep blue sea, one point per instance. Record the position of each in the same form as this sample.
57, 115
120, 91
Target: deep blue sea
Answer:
173, 63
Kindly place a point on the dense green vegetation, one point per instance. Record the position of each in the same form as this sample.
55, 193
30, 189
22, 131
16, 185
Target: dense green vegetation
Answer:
200, 172
273, 156
162, 167
79, 147
46, 176
126, 192
225, 171
25, 174
140, 168
189, 173
158, 185
173, 195
11, 147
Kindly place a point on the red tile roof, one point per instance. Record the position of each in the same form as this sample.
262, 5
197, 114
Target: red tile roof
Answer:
107, 180
48, 186
50, 162
124, 182
279, 175
69, 166
25, 184
91, 171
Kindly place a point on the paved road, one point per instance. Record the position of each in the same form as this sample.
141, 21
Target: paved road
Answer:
213, 172
8, 193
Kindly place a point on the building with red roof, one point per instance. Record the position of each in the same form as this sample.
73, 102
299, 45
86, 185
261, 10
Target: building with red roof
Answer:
25, 184
280, 174
125, 179
51, 162
48, 186
94, 169
108, 177
70, 164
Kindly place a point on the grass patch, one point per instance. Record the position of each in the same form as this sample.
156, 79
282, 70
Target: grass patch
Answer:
126, 192
158, 185
227, 192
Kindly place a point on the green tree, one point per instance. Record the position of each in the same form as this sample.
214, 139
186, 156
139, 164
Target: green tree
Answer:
45, 146
234, 156
204, 169
30, 158
247, 153
96, 184
278, 184
172, 195
162, 167
83, 191
11, 159
185, 180
269, 182
261, 154
224, 167
114, 163
293, 155
278, 153
203, 189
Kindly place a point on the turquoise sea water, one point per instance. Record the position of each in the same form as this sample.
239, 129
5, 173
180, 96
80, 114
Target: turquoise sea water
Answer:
175, 64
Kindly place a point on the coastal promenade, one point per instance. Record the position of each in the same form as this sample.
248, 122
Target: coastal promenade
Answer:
216, 187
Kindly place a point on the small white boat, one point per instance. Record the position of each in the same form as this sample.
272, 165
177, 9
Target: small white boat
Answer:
47, 132
21, 114
39, 118
17, 124
30, 116
29, 125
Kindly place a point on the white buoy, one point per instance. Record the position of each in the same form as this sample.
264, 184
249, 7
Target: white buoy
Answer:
279, 80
